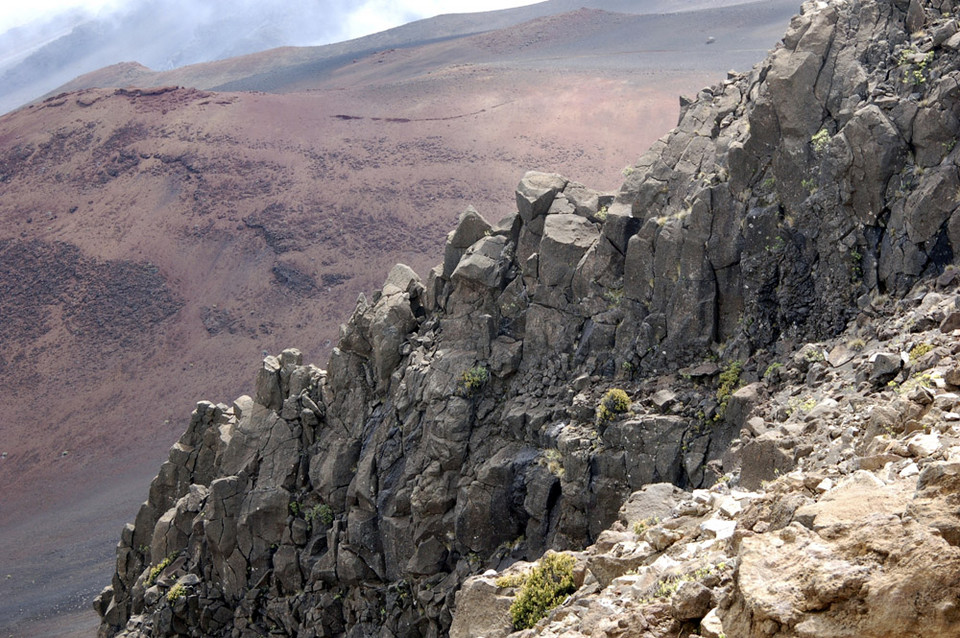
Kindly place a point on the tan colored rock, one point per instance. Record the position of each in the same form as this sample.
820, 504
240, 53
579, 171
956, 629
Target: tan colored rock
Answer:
482, 611
853, 500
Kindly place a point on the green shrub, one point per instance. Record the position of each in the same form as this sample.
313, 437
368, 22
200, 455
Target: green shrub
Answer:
728, 383
473, 380
919, 350
159, 567
321, 512
772, 369
820, 140
176, 593
614, 403
640, 527
513, 580
547, 586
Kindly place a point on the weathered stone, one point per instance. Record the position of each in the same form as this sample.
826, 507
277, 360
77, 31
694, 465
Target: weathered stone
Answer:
691, 601
485, 262
763, 459
535, 194
565, 240
481, 611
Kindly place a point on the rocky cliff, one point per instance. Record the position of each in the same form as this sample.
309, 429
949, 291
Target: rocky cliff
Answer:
461, 423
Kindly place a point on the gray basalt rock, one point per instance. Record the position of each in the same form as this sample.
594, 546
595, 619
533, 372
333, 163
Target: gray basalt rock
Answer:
456, 427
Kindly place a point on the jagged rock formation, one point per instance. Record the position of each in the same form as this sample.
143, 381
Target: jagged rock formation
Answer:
858, 536
455, 428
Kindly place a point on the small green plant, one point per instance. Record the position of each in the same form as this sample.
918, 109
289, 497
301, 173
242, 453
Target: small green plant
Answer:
809, 185
295, 508
159, 567
602, 213
513, 580
553, 461
640, 527
614, 403
919, 350
772, 369
820, 140
669, 585
727, 384
857, 344
614, 296
914, 66
176, 592
917, 380
804, 404
547, 585
472, 381
321, 512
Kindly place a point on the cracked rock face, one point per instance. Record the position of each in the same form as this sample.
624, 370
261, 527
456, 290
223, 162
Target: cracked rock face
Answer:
456, 428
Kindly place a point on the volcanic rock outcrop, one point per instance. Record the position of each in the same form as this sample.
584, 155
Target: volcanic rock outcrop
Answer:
456, 427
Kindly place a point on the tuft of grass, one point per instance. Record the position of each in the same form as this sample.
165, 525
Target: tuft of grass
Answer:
552, 459
614, 403
513, 580
919, 350
640, 527
820, 140
159, 567
728, 383
771, 369
176, 592
547, 585
472, 381
321, 512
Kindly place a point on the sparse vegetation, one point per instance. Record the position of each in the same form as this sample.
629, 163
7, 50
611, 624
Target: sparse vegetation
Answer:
601, 214
919, 351
914, 66
820, 140
669, 585
728, 383
159, 567
321, 512
553, 461
640, 527
547, 585
772, 369
614, 296
614, 403
176, 592
472, 381
513, 580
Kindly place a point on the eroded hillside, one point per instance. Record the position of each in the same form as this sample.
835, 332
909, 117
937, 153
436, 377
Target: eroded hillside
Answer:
456, 427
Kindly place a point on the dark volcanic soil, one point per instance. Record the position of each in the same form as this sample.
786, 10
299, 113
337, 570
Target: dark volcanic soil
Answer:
156, 243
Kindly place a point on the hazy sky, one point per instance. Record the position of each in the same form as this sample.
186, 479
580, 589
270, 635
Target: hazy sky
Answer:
369, 16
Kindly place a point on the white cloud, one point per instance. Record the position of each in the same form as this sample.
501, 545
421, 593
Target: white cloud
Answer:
15, 14
372, 15
380, 15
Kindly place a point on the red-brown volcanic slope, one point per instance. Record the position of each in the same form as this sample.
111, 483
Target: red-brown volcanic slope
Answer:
154, 244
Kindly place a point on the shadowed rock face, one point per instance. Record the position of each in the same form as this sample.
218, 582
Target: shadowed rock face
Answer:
455, 426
